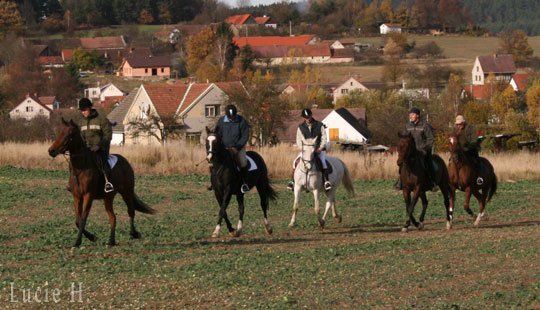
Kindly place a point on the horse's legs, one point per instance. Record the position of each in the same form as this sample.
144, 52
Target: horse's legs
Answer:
331, 205
424, 208
108, 201
297, 189
86, 206
77, 206
317, 207
223, 204
481, 197
407, 199
466, 206
129, 197
264, 206
410, 202
240, 201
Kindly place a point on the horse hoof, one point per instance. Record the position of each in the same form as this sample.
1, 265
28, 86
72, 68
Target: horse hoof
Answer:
269, 230
291, 225
448, 225
338, 218
236, 233
404, 229
476, 223
321, 223
111, 244
136, 235
214, 235
92, 238
421, 226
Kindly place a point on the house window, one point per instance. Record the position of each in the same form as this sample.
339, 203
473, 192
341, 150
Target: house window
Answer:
344, 90
211, 110
351, 84
145, 70
162, 70
29, 109
40, 111
333, 134
477, 68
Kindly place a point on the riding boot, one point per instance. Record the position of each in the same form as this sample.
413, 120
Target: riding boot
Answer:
327, 184
104, 165
290, 185
244, 172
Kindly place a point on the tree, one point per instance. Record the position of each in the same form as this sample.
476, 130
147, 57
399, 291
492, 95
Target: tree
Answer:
386, 10
451, 96
164, 13
198, 48
145, 17
163, 129
86, 60
516, 43
532, 97
10, 17
260, 104
23, 75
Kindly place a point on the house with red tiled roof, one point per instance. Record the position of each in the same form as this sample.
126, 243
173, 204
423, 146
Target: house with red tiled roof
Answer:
51, 61
286, 55
266, 21
143, 66
243, 19
501, 66
479, 92
101, 92
194, 106
519, 82
33, 106
275, 41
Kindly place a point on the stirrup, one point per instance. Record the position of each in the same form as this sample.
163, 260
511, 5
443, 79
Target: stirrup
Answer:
290, 185
108, 187
244, 189
327, 186
479, 181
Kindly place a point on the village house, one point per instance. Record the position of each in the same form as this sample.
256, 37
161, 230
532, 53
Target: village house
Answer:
100, 93
143, 66
501, 66
194, 106
345, 88
33, 106
387, 28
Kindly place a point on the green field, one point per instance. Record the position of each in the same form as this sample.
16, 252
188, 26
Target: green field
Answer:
364, 262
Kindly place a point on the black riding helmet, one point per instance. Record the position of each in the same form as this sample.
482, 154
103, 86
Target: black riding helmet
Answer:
230, 111
85, 103
306, 113
415, 110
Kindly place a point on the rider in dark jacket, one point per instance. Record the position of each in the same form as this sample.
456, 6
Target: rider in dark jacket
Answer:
422, 134
233, 130
96, 131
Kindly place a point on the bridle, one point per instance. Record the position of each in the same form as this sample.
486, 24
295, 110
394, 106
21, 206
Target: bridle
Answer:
307, 163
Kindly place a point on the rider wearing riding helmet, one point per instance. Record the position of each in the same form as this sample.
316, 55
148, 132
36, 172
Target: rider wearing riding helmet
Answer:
311, 128
233, 130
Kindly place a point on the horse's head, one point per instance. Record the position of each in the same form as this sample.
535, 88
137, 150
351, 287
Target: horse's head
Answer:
405, 147
68, 139
308, 152
212, 144
454, 147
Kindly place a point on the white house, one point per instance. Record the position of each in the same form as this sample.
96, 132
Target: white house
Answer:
101, 92
33, 106
347, 87
501, 66
387, 28
345, 128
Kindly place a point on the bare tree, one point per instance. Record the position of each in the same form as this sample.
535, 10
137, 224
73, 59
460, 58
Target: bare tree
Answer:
243, 3
162, 129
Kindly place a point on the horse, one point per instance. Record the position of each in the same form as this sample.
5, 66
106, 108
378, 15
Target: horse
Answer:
463, 176
308, 177
86, 183
415, 181
226, 182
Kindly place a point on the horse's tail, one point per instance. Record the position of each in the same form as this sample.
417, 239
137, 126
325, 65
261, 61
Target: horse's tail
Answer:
493, 188
141, 206
347, 180
265, 183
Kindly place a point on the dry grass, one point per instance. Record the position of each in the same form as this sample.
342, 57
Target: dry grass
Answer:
181, 158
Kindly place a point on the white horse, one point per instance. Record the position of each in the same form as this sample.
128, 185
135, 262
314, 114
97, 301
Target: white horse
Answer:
306, 176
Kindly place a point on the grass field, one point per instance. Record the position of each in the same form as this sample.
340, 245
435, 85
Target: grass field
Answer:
364, 262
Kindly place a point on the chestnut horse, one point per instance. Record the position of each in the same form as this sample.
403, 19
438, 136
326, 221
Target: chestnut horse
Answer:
86, 183
414, 180
480, 182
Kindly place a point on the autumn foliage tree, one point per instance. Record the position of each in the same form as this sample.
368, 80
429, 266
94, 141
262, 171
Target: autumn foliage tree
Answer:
10, 17
517, 44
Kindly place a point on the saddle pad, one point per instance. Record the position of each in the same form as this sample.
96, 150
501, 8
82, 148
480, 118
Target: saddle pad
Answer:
112, 160
250, 163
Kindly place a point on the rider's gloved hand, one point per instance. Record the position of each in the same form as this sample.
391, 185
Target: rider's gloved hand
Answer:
94, 148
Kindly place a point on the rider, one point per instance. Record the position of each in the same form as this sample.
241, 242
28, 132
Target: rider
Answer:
312, 128
422, 134
233, 130
468, 141
96, 131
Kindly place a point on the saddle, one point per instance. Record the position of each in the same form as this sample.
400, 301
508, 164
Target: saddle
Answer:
318, 164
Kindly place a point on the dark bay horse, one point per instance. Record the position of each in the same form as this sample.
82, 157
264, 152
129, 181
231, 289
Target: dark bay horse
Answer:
463, 176
226, 182
86, 183
414, 179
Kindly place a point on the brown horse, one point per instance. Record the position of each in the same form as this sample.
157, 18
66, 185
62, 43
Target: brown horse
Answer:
86, 183
481, 182
414, 180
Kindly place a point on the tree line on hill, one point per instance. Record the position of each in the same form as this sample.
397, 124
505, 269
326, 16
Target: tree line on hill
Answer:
323, 17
